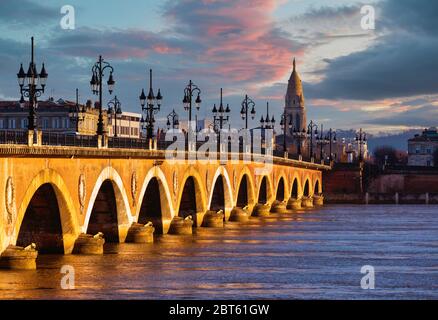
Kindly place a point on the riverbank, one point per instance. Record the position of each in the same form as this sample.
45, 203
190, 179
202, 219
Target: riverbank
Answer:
381, 198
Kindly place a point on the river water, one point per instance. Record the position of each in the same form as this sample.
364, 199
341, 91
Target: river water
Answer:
316, 254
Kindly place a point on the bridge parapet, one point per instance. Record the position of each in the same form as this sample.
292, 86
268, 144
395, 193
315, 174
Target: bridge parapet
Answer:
84, 152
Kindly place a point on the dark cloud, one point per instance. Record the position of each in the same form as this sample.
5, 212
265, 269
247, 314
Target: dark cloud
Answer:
341, 14
25, 13
419, 16
324, 24
114, 43
402, 63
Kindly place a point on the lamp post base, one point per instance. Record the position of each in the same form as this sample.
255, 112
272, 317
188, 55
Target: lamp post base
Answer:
30, 134
102, 141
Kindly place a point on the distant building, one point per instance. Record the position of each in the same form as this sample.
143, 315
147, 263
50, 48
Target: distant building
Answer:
422, 147
128, 125
348, 150
59, 116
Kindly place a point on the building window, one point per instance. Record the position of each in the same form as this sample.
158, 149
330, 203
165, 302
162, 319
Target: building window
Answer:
45, 123
429, 151
57, 123
2, 124
24, 123
428, 163
11, 124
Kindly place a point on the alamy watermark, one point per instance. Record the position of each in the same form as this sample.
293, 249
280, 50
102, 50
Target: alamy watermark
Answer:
68, 278
369, 279
68, 21
368, 21
225, 145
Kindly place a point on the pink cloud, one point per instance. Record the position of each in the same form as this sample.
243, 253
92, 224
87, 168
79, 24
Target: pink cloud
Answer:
238, 38
165, 49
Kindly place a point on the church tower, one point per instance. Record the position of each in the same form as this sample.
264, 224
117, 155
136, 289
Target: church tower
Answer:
294, 101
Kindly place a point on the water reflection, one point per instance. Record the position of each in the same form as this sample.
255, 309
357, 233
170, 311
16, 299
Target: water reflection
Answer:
316, 254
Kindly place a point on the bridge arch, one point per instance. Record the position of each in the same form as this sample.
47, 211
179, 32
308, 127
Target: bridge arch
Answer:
51, 181
265, 193
318, 187
281, 191
245, 192
192, 197
296, 191
245, 189
307, 192
221, 184
162, 212
109, 186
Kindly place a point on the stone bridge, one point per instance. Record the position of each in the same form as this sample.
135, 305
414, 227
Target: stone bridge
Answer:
51, 195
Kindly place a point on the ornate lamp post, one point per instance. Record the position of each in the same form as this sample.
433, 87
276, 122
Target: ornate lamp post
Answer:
115, 112
172, 120
150, 105
96, 87
312, 132
246, 104
322, 141
221, 115
331, 137
267, 123
76, 113
32, 86
361, 138
190, 90
286, 126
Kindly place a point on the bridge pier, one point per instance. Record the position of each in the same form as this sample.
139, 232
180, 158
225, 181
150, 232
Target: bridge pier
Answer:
239, 214
88, 244
261, 210
19, 258
294, 204
213, 219
140, 233
181, 226
279, 207
307, 202
318, 200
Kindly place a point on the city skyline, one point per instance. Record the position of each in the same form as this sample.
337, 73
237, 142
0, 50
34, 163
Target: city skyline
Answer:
243, 46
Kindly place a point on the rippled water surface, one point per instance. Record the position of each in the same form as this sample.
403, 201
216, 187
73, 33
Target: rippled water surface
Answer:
312, 254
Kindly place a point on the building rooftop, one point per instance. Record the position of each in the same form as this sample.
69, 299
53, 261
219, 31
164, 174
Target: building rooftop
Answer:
430, 134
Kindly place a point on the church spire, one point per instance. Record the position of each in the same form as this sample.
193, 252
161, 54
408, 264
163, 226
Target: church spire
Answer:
294, 94
294, 100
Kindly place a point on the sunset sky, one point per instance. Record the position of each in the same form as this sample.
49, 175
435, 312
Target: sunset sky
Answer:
383, 80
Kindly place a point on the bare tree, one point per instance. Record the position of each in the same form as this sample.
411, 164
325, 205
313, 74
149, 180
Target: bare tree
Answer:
385, 155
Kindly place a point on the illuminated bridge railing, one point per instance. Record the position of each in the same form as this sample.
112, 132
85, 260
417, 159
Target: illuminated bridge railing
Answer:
127, 143
17, 137
13, 137
68, 140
